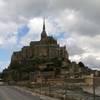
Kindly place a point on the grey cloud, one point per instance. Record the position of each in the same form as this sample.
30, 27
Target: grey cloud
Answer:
87, 28
27, 8
89, 9
74, 50
91, 61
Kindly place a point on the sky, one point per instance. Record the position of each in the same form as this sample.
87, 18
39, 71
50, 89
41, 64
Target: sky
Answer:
74, 23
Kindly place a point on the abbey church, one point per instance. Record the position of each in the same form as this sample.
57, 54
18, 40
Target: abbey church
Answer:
47, 47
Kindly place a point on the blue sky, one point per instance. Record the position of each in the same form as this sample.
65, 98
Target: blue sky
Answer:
69, 22
7, 51
23, 30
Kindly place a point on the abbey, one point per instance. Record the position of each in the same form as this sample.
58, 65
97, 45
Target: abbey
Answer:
47, 48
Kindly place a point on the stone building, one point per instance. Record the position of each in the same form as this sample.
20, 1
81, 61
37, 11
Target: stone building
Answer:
47, 48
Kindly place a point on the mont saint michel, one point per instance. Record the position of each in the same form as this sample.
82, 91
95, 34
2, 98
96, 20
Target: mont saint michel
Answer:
44, 58
45, 67
49, 49
46, 48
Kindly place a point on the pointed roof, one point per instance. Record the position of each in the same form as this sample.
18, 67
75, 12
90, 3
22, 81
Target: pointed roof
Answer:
43, 34
44, 24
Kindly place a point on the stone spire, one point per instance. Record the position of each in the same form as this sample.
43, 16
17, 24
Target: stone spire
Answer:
43, 34
44, 24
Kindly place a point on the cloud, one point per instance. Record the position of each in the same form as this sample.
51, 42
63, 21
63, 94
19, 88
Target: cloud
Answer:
30, 8
68, 13
72, 46
92, 61
7, 40
3, 65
